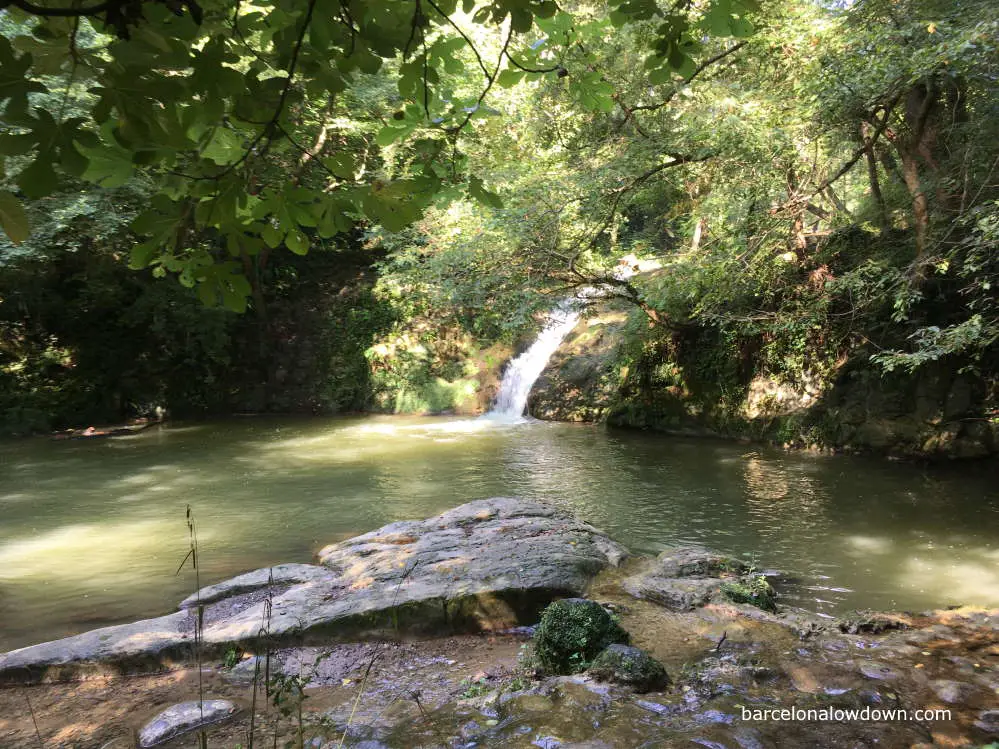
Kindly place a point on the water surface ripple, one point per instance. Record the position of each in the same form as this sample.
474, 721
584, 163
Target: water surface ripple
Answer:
91, 532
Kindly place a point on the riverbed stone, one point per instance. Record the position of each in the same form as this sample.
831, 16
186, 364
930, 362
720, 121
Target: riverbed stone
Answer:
683, 578
696, 561
572, 632
988, 721
676, 594
952, 692
485, 565
630, 666
246, 670
183, 718
877, 670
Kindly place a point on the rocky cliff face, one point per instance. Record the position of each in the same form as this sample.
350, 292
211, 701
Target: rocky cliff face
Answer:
936, 413
582, 379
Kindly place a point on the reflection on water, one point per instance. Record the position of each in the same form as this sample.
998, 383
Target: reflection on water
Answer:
92, 531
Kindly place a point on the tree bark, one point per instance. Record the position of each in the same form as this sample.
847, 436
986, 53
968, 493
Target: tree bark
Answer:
695, 241
872, 175
915, 146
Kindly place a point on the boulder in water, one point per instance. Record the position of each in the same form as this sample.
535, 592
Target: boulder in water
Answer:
683, 578
952, 692
572, 633
142, 645
486, 565
630, 666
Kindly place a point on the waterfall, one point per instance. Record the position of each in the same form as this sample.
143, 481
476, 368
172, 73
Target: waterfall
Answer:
521, 373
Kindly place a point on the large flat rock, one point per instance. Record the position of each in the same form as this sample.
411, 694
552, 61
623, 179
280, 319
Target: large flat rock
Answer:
488, 564
149, 643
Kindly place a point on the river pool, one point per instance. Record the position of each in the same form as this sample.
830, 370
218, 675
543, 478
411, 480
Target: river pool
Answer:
92, 531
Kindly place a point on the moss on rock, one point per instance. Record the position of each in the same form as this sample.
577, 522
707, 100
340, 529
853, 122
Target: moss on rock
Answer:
754, 590
572, 632
631, 666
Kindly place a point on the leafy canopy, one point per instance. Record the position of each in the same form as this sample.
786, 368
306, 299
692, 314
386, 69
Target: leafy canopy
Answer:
226, 108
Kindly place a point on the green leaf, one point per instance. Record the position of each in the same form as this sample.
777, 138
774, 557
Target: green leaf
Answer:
392, 205
342, 164
39, 178
16, 145
142, 255
272, 236
297, 242
107, 167
161, 220
509, 77
13, 219
225, 147
687, 67
742, 28
207, 293
389, 135
677, 59
478, 192
521, 20
660, 76
717, 21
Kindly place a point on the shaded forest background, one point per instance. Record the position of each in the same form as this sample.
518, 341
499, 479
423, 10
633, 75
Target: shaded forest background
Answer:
811, 189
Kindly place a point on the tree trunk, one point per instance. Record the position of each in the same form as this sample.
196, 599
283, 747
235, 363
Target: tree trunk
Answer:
872, 175
920, 203
797, 241
837, 201
695, 241
916, 145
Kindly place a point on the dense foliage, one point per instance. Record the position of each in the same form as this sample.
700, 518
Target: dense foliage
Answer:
393, 188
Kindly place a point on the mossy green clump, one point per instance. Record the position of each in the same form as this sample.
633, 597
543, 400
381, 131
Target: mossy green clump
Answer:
754, 590
571, 634
624, 664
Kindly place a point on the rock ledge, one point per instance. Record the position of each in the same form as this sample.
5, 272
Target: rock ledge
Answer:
486, 565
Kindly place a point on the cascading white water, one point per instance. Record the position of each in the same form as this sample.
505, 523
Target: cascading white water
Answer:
521, 373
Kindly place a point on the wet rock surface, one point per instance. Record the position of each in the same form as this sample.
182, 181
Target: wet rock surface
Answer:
485, 565
473, 691
468, 691
684, 578
184, 718
988, 721
145, 644
572, 632
488, 564
952, 692
282, 575
629, 666
581, 381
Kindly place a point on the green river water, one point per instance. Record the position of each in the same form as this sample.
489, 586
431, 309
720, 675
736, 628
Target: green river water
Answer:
92, 531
